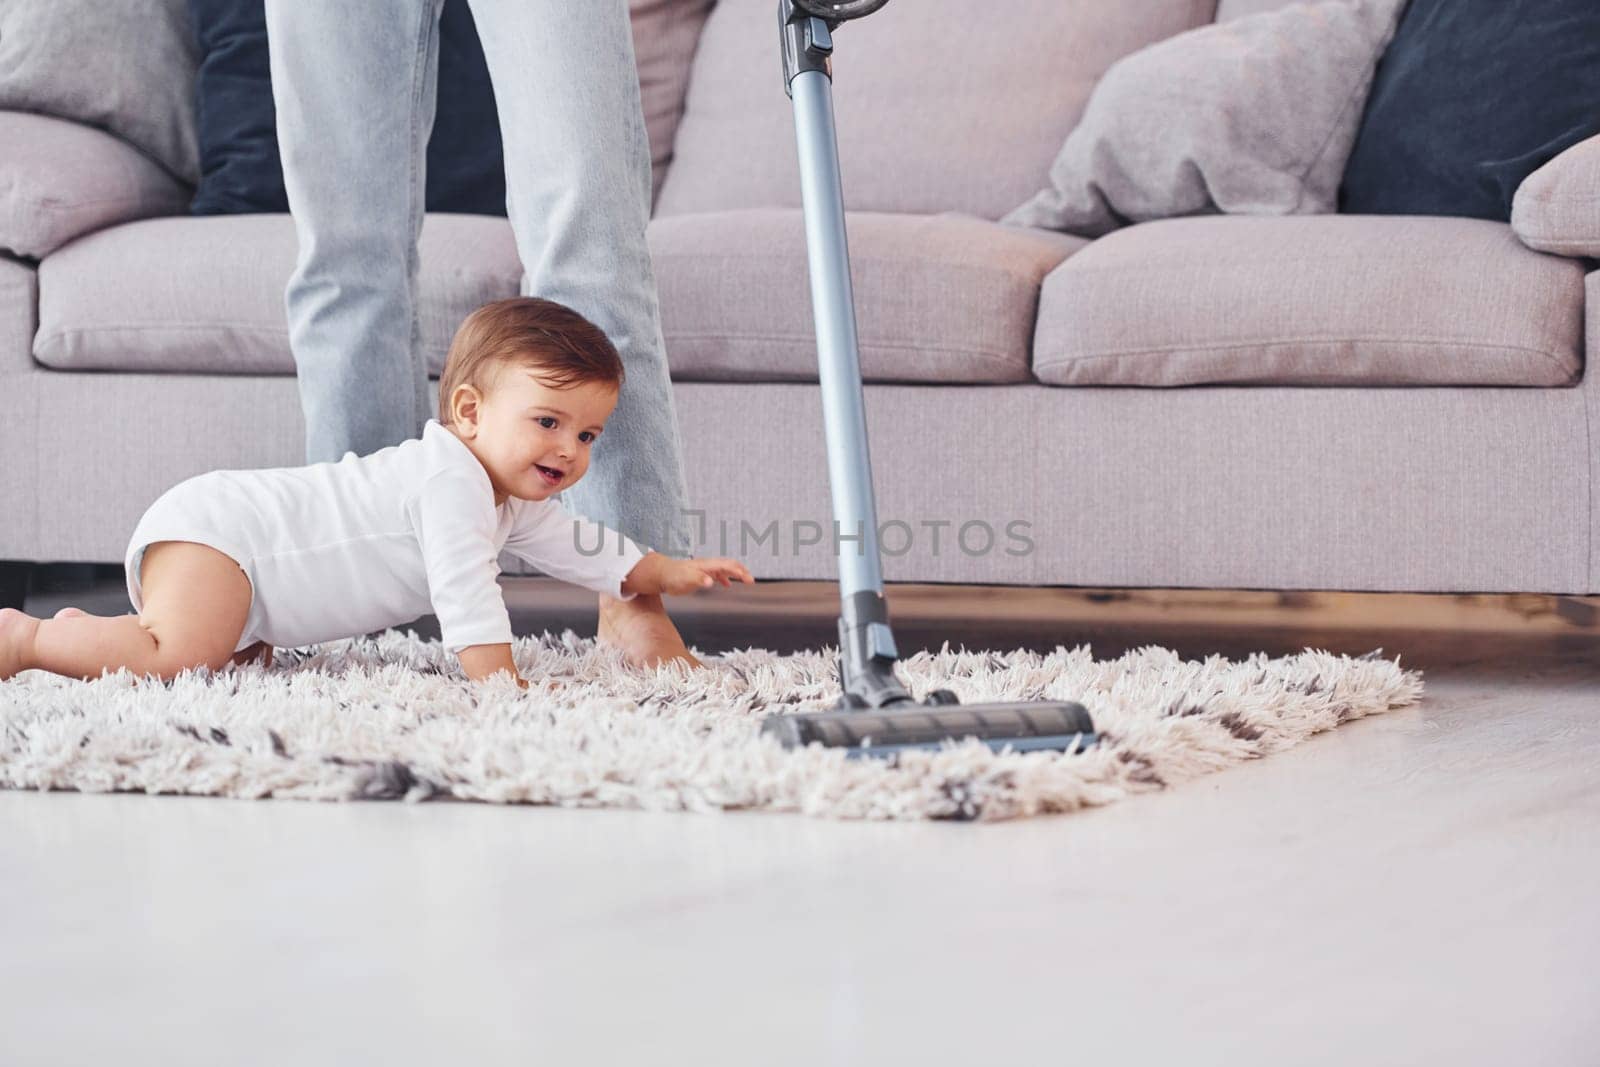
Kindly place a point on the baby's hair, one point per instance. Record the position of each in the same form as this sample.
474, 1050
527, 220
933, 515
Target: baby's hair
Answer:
561, 346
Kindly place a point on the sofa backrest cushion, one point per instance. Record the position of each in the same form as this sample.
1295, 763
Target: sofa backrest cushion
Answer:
1471, 97
126, 67
938, 107
240, 168
1253, 116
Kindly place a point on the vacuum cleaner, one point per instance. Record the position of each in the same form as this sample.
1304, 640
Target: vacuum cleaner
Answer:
875, 715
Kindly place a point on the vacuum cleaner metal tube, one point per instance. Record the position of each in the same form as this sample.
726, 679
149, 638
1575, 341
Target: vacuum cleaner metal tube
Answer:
839, 361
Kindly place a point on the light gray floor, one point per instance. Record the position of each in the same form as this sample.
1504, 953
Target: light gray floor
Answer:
1417, 889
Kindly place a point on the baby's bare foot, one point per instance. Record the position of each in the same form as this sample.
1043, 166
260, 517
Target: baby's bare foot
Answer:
70, 613
16, 641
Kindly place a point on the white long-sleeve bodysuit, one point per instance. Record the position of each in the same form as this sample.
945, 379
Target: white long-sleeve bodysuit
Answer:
337, 550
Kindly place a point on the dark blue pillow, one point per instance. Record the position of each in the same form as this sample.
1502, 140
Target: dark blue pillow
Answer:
239, 167
1470, 98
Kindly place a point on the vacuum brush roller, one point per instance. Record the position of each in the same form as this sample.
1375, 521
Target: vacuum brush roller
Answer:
1062, 725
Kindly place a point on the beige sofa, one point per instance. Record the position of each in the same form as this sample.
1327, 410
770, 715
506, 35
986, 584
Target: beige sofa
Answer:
1287, 403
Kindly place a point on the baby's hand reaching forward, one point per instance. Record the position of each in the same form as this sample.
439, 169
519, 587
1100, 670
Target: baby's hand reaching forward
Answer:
681, 576
656, 574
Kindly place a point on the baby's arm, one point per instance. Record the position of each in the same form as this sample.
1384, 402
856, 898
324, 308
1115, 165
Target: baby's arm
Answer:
455, 525
482, 661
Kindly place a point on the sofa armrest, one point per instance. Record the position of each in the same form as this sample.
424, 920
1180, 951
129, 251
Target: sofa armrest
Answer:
1557, 207
60, 180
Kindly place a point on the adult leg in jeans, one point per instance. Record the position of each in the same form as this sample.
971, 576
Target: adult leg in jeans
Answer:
354, 86
578, 190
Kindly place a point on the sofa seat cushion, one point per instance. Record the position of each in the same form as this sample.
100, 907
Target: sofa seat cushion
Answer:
939, 298
1311, 300
205, 295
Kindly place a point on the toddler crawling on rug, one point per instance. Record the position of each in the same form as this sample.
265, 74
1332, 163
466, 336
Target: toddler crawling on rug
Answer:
228, 564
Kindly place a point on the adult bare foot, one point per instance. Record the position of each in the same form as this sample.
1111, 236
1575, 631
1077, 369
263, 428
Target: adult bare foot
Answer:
641, 629
16, 639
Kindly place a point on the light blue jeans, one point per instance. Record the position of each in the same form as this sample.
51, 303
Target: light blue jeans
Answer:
354, 85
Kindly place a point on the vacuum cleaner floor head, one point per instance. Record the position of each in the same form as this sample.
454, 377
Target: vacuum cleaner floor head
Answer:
1045, 725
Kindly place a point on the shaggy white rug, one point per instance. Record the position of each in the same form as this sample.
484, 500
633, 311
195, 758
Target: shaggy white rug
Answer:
391, 717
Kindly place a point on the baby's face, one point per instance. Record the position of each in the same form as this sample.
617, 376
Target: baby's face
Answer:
534, 440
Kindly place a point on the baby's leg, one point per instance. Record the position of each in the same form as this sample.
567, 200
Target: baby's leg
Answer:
195, 603
16, 637
258, 651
